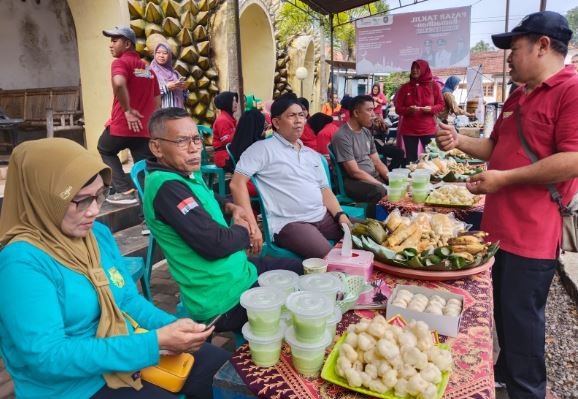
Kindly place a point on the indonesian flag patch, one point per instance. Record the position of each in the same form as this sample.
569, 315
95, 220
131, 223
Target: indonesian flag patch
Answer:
187, 205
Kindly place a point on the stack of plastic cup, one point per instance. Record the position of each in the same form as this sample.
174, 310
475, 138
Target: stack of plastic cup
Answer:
397, 187
308, 337
420, 185
264, 331
324, 283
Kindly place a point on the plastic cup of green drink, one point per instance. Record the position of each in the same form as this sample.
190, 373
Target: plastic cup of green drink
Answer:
324, 283
265, 351
310, 311
307, 358
283, 280
263, 307
395, 194
420, 179
419, 195
333, 321
397, 179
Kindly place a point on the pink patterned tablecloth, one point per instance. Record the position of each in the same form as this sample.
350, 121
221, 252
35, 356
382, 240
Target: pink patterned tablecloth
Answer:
472, 375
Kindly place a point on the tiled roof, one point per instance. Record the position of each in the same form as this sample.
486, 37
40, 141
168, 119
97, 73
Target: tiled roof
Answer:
491, 61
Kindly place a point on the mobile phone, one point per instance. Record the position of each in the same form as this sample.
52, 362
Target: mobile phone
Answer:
213, 322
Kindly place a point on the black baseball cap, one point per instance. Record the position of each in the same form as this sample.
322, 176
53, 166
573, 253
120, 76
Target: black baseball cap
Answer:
121, 31
547, 23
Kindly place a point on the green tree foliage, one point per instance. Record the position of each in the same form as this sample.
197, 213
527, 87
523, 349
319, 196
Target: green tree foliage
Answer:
482, 46
572, 17
293, 20
393, 81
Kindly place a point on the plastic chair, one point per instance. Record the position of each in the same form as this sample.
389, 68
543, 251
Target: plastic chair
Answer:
211, 170
341, 196
351, 211
137, 170
234, 162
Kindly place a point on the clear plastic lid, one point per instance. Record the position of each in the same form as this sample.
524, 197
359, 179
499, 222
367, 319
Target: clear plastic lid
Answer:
283, 279
336, 316
325, 283
249, 336
262, 298
421, 172
309, 304
291, 339
404, 171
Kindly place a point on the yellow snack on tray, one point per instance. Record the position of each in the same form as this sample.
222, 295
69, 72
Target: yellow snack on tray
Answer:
401, 234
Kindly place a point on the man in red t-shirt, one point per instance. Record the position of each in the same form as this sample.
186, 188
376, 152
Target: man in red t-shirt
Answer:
519, 211
136, 97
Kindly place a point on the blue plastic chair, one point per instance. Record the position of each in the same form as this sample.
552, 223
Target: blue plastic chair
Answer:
351, 211
208, 169
137, 170
340, 195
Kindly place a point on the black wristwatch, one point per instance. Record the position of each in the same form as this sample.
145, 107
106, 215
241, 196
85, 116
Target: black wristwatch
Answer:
337, 216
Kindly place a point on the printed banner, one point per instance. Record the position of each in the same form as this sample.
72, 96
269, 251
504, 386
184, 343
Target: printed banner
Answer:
392, 42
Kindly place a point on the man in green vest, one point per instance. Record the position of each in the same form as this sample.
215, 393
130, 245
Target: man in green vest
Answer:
206, 256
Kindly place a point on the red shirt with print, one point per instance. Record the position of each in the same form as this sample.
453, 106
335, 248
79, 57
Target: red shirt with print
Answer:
142, 87
523, 217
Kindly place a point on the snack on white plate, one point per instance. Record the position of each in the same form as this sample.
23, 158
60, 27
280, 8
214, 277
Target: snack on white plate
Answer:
391, 358
421, 303
452, 194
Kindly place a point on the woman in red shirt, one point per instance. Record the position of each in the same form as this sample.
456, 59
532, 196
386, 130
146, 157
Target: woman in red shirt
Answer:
224, 126
379, 100
417, 102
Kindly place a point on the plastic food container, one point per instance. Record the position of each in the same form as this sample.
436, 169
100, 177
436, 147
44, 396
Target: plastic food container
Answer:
395, 194
265, 351
324, 283
420, 179
284, 280
332, 322
314, 265
310, 311
307, 358
419, 195
404, 171
263, 310
397, 179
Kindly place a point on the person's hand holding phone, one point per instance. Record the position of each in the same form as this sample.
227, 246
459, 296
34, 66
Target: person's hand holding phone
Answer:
183, 335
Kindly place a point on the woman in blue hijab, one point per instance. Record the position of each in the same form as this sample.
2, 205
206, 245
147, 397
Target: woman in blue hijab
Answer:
451, 106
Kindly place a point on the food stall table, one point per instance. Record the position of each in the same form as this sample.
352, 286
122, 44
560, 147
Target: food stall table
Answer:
472, 375
470, 215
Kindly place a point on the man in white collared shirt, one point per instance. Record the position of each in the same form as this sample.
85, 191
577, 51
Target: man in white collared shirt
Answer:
302, 210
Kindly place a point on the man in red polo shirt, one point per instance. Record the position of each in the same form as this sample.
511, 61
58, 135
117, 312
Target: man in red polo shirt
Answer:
519, 210
136, 97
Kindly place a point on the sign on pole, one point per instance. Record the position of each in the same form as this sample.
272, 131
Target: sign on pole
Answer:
390, 43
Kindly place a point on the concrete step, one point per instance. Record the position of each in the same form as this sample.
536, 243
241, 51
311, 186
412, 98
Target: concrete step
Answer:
119, 217
132, 243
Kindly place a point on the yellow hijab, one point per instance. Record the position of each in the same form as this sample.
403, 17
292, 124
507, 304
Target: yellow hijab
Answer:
43, 176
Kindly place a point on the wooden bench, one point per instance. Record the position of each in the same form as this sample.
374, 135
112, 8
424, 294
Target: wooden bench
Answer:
54, 108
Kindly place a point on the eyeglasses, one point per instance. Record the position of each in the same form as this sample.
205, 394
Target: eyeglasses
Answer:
83, 204
183, 142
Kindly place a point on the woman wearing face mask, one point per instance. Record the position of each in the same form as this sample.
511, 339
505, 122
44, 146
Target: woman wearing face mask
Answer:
418, 101
65, 294
172, 85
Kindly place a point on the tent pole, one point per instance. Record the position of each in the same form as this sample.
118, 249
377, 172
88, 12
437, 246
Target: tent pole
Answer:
331, 28
505, 52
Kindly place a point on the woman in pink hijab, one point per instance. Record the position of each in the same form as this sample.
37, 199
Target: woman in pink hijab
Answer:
171, 83
417, 101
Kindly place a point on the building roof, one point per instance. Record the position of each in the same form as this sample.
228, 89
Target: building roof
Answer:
491, 62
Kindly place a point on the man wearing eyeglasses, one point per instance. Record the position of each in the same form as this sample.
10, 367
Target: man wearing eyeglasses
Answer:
206, 256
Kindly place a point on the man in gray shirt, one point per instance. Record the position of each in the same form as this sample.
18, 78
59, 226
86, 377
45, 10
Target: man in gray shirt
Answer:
355, 152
